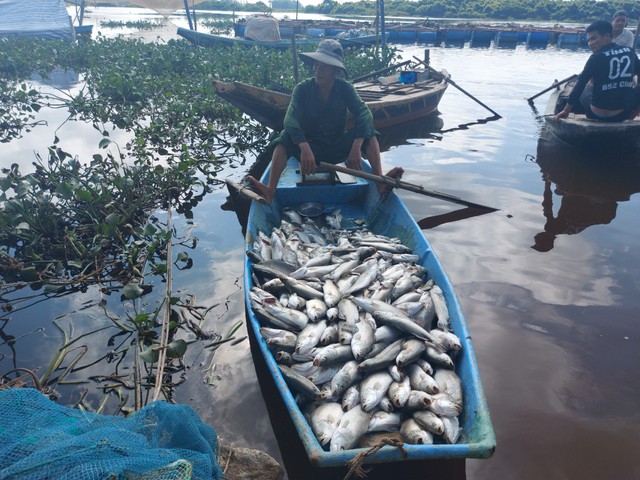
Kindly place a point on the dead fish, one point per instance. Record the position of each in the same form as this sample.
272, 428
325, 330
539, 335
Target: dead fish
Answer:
413, 433
452, 429
299, 383
316, 309
373, 388
352, 426
310, 336
429, 421
449, 383
442, 312
399, 392
443, 405
324, 421
384, 422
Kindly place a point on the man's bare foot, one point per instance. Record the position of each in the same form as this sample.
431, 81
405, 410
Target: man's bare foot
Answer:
395, 173
261, 189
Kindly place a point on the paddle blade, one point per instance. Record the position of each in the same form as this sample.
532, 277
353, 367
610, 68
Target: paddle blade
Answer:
434, 221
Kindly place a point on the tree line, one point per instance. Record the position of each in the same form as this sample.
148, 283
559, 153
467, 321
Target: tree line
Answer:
581, 11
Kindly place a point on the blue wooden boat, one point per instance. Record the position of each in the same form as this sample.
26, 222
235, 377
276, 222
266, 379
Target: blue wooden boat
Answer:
360, 200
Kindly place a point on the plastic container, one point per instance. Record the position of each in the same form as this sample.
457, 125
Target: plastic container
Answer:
407, 77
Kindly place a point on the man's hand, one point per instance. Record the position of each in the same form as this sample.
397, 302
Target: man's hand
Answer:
355, 156
563, 114
307, 159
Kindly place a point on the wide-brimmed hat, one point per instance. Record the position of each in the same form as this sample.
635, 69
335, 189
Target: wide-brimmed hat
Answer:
328, 52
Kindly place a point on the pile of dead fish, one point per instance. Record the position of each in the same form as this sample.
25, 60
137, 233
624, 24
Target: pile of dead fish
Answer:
360, 333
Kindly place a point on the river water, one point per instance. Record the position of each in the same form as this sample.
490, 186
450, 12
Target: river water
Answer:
548, 283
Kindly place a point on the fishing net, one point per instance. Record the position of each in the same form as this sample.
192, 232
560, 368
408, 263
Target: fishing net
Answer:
40, 439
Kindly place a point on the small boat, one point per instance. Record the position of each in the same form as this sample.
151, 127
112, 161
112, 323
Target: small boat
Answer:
209, 40
580, 131
390, 101
360, 205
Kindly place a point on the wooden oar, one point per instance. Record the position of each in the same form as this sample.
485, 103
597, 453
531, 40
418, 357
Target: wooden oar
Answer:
405, 186
448, 80
246, 191
555, 84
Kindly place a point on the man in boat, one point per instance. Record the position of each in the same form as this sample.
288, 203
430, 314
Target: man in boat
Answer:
316, 120
611, 69
620, 35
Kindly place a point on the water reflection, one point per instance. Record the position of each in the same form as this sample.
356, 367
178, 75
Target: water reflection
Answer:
588, 187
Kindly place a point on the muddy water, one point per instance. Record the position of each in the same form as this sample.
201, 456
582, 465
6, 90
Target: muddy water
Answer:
548, 283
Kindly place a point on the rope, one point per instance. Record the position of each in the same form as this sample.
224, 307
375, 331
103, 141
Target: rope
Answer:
355, 465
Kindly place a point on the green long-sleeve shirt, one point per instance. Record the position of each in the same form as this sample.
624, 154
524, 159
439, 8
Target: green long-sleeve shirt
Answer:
309, 118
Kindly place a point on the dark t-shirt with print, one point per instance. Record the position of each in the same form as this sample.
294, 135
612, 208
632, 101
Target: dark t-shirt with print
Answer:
612, 69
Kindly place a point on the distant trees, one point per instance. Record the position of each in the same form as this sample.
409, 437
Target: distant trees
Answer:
541, 10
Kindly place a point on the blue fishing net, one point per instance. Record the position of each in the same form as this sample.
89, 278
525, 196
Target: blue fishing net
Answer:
40, 439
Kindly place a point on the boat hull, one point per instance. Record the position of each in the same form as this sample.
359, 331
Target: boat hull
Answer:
360, 200
580, 131
390, 105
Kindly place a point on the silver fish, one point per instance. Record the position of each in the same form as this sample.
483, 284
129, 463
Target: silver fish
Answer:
352, 426
373, 388
324, 421
399, 392
292, 215
412, 349
346, 376
351, 398
363, 339
385, 358
413, 433
301, 288
282, 321
296, 302
268, 333
404, 323
310, 336
386, 405
418, 400
382, 421
429, 421
284, 358
333, 314
287, 315
420, 380
396, 373
331, 293
449, 340
348, 311
344, 268
316, 309
387, 334
452, 429
449, 383
443, 405
438, 358
299, 383
334, 353
442, 312
329, 336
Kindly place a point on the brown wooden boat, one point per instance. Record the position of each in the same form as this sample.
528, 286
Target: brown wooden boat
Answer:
390, 101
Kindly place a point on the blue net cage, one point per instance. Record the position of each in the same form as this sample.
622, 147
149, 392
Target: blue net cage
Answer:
40, 439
